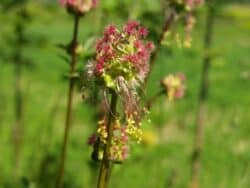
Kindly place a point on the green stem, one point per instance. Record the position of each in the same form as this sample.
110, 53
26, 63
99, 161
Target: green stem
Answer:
201, 112
105, 168
73, 46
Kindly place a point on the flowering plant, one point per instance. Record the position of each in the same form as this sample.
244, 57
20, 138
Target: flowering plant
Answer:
120, 67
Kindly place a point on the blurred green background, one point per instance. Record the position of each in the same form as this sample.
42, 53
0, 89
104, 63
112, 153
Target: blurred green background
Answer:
164, 157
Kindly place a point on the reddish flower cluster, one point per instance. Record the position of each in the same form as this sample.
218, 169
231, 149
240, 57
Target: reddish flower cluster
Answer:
78, 6
126, 46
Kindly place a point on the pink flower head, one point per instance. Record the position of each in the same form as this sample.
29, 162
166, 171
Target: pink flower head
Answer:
79, 6
122, 56
174, 84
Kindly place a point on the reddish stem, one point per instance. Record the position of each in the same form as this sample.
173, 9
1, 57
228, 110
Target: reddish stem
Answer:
105, 168
73, 46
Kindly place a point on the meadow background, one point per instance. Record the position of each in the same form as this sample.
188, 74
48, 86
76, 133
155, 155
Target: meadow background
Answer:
163, 159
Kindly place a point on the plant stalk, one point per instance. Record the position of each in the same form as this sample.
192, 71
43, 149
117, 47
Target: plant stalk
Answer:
168, 22
73, 46
105, 168
153, 99
18, 129
201, 112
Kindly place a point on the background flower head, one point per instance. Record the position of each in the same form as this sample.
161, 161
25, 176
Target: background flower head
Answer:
174, 85
79, 6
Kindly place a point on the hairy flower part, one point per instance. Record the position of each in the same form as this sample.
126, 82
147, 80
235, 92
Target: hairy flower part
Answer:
174, 85
79, 6
130, 99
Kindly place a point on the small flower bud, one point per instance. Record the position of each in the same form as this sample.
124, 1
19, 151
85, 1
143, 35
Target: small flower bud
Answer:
174, 86
79, 7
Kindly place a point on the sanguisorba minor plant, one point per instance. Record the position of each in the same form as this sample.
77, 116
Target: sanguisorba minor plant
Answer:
119, 69
77, 9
